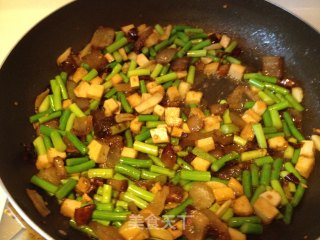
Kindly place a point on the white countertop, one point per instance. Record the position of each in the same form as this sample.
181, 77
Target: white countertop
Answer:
17, 17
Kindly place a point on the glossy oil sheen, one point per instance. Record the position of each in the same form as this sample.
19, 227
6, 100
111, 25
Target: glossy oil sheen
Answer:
261, 27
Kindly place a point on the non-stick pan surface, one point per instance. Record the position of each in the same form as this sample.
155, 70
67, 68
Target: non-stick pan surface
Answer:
260, 26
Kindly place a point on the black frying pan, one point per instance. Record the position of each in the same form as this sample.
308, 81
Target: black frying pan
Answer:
259, 25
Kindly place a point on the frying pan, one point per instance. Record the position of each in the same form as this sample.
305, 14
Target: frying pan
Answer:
260, 27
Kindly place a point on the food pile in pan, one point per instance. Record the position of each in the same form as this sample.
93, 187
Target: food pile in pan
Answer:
129, 145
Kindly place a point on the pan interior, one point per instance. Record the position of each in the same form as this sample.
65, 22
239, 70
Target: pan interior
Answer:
31, 65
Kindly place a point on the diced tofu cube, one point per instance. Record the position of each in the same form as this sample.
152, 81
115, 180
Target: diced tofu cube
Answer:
176, 132
53, 153
193, 97
185, 128
134, 81
236, 234
116, 79
97, 80
173, 93
129, 152
181, 74
308, 148
159, 135
68, 207
211, 123
272, 196
98, 151
211, 68
135, 125
236, 71
297, 93
215, 184
132, 56
206, 144
242, 207
247, 132
236, 186
123, 54
200, 164
43, 162
172, 112
183, 88
110, 106
95, 91
142, 60
165, 126
305, 165
159, 110
134, 99
316, 141
259, 107
264, 209
127, 28
225, 41
206, 60
66, 103
251, 116
82, 89
278, 143
79, 74
141, 28
109, 57
223, 194
169, 129
131, 230
86, 199
172, 116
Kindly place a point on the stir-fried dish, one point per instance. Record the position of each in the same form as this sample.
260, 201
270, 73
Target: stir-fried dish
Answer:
131, 147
